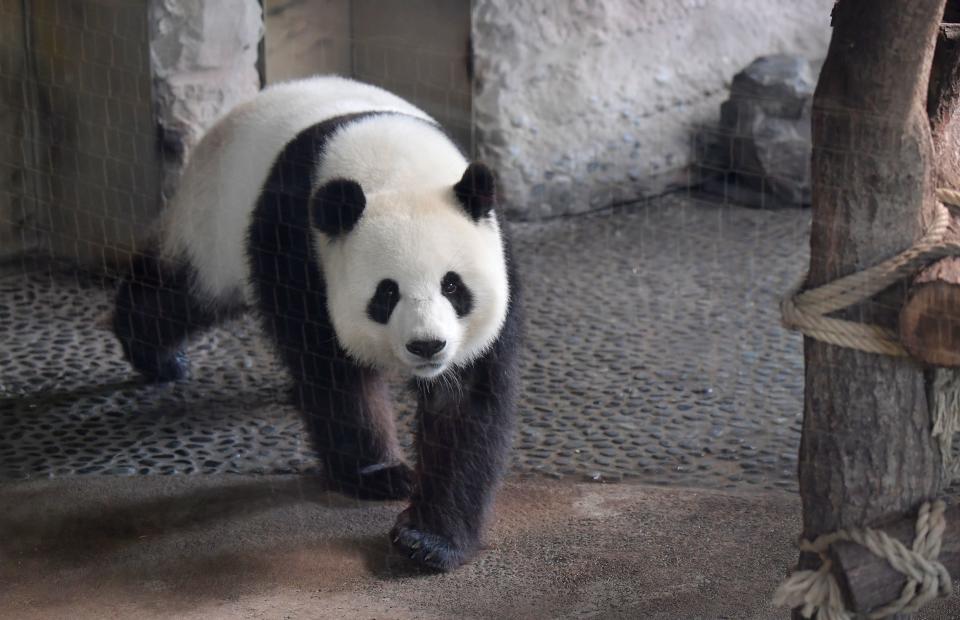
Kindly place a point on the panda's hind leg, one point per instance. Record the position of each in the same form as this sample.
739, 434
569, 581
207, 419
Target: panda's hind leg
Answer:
154, 315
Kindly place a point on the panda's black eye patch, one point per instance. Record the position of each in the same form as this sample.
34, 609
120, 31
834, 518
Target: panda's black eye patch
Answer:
457, 293
383, 302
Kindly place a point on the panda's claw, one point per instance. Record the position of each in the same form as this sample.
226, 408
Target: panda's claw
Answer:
431, 551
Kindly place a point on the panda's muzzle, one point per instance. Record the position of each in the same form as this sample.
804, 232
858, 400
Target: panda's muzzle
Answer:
426, 349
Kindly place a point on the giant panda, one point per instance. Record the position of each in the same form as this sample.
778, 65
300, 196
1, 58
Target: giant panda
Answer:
368, 246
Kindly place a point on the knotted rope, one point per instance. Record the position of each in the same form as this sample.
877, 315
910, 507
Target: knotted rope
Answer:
817, 591
806, 311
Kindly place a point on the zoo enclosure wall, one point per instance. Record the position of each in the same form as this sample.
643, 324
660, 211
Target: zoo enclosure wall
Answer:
576, 105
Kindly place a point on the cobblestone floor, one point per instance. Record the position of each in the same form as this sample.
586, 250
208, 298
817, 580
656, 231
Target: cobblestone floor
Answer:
655, 354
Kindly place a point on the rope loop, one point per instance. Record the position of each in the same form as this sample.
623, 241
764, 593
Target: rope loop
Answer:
817, 591
806, 310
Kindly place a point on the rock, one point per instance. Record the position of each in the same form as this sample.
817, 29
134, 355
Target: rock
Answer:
764, 139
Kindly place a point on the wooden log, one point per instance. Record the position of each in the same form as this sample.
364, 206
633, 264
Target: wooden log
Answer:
866, 453
871, 582
930, 316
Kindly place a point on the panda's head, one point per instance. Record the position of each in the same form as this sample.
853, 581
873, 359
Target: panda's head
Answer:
415, 280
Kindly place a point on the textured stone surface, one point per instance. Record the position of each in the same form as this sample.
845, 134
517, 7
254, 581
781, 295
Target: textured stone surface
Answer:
204, 61
580, 104
764, 138
655, 353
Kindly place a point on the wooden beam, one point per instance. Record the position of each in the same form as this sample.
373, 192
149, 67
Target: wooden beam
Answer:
930, 318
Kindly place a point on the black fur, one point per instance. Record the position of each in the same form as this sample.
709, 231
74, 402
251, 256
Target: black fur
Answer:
155, 315
464, 433
465, 419
342, 403
457, 293
384, 300
337, 206
477, 191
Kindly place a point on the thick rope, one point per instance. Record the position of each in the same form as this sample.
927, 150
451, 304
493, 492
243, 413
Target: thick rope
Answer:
806, 312
817, 591
945, 403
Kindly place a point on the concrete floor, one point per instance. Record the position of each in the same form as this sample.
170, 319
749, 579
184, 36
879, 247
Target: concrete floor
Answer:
280, 547
241, 547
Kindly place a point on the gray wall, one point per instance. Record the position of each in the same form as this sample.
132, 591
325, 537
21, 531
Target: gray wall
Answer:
204, 61
80, 165
18, 209
580, 104
99, 102
415, 48
418, 49
305, 37
577, 104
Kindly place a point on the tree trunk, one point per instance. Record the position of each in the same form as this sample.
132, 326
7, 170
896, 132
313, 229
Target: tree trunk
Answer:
866, 453
930, 318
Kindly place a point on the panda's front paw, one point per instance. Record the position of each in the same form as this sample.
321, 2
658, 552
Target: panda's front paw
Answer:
160, 367
175, 368
429, 550
376, 482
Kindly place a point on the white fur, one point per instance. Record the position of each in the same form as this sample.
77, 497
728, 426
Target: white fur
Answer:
412, 230
415, 237
208, 218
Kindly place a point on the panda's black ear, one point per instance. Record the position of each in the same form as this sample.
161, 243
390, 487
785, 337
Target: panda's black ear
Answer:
337, 207
477, 191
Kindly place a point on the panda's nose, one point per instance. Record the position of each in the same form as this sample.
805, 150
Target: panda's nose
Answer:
425, 348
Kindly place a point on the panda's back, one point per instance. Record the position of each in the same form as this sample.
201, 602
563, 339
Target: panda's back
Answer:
207, 221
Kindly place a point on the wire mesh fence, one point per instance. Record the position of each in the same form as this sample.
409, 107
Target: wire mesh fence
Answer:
653, 350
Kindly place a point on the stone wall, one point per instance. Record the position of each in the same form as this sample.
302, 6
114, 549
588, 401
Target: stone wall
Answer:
583, 103
204, 61
578, 104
